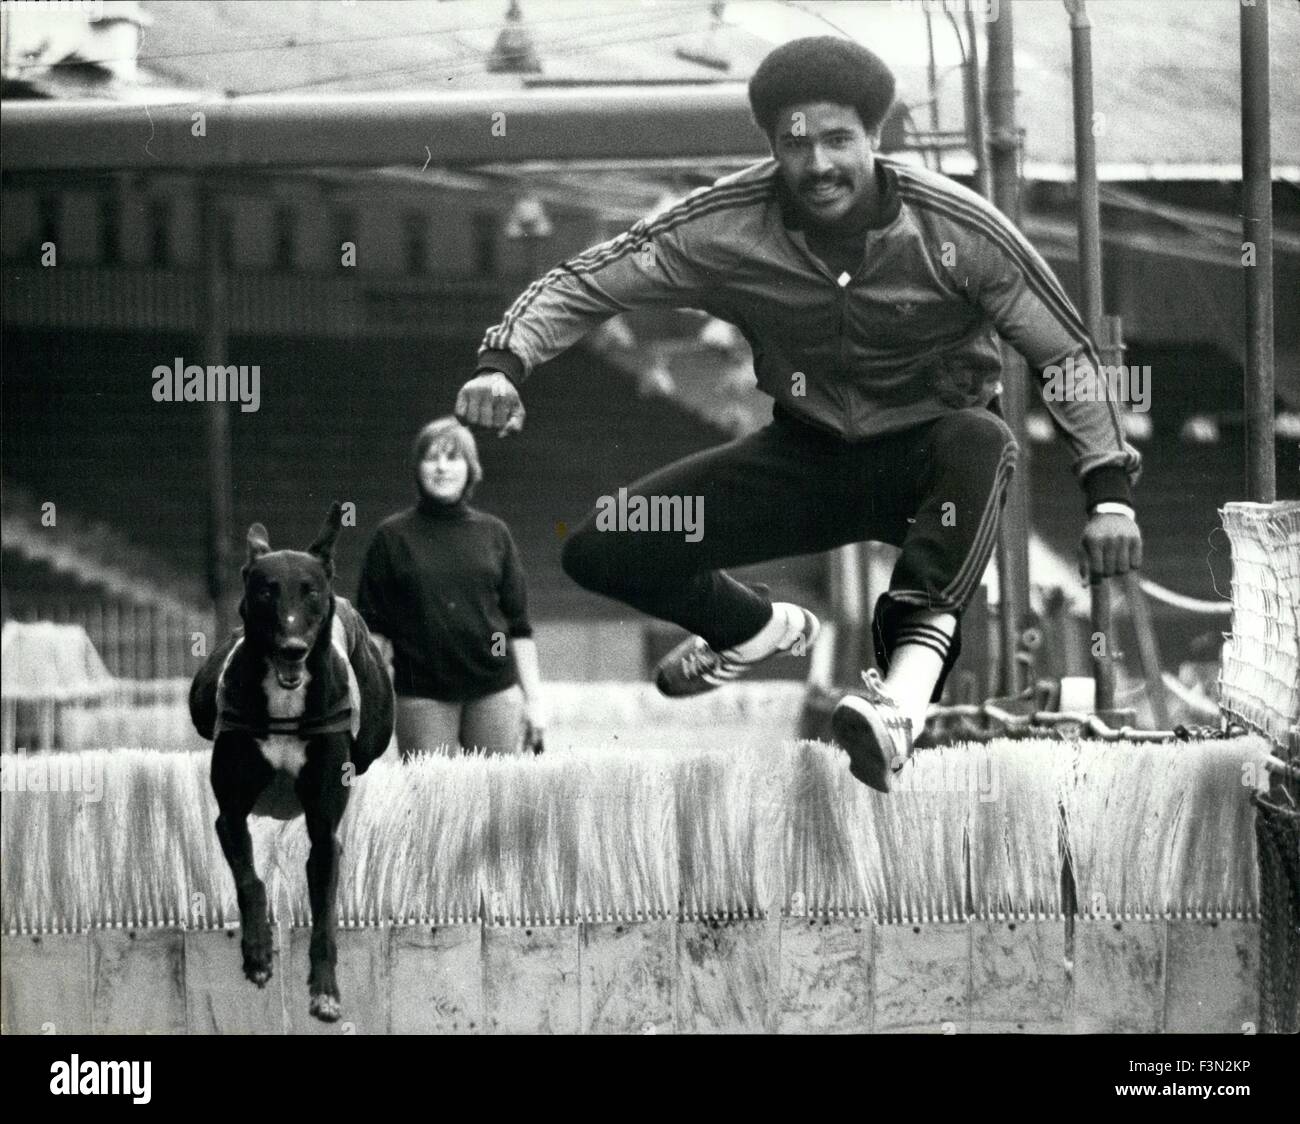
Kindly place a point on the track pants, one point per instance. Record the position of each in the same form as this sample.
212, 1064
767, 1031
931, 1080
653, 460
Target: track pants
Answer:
935, 490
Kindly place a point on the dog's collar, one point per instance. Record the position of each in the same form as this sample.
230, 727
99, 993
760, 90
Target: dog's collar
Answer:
337, 721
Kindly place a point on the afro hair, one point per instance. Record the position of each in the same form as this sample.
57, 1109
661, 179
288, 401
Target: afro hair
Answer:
821, 68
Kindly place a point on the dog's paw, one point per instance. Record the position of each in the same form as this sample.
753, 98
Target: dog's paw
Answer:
258, 967
257, 960
327, 1008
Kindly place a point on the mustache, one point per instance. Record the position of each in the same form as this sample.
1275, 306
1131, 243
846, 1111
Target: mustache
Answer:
811, 183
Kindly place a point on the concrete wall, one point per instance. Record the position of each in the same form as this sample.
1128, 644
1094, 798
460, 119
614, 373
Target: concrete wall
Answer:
787, 975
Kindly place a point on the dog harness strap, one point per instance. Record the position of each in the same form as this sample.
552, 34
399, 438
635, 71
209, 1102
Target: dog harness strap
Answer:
336, 721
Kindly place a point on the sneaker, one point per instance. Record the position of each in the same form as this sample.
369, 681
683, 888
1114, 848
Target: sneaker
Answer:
694, 667
874, 732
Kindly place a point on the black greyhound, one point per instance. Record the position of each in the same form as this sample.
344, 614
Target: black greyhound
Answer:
300, 703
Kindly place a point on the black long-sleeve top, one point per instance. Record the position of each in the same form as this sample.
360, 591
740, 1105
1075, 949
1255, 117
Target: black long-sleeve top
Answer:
444, 583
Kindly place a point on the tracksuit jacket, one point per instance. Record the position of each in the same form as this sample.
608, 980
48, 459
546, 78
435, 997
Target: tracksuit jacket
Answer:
909, 337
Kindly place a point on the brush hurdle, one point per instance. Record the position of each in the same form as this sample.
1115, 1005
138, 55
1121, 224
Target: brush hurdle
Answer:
1028, 886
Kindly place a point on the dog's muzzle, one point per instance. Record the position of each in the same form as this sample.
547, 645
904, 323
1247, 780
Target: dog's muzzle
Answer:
290, 664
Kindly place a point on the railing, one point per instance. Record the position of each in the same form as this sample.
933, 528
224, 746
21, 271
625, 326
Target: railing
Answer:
126, 713
104, 673
135, 641
294, 304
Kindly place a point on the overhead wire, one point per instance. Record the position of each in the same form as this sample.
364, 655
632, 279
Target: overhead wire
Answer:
449, 73
254, 45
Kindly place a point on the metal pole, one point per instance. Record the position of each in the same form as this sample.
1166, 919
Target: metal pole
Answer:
848, 587
932, 81
1004, 136
220, 475
391, 129
1088, 201
1257, 232
1103, 653
1013, 540
978, 136
1104, 335
1148, 649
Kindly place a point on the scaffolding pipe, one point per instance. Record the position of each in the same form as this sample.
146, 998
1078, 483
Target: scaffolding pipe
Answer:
1013, 540
1104, 334
391, 129
1088, 199
215, 349
1257, 233
932, 84
979, 133
1004, 136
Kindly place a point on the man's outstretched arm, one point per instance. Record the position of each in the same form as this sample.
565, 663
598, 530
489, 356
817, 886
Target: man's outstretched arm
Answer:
647, 266
1030, 309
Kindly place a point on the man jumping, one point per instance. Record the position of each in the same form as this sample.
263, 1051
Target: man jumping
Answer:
872, 294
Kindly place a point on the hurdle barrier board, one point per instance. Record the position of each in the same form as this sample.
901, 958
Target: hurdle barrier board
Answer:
786, 975
693, 892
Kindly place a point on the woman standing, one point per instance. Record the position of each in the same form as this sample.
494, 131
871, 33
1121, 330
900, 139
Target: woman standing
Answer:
443, 592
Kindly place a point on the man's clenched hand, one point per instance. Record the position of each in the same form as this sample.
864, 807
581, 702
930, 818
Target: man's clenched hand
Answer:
1112, 544
491, 401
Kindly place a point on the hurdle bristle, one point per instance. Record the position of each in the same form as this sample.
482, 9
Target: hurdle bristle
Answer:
1151, 830
729, 811
626, 828
1149, 827
530, 840
916, 840
824, 849
1015, 828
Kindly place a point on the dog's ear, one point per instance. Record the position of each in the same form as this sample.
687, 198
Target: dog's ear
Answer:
323, 547
258, 544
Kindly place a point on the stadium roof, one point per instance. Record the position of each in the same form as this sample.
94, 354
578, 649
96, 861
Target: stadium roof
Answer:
1167, 71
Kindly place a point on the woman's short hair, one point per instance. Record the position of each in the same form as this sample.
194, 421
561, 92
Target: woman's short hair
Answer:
448, 431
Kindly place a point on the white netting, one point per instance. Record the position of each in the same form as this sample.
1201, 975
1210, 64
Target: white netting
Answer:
1259, 679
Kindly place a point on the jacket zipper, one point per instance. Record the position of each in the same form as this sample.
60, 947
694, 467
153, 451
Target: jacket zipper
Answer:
843, 347
844, 306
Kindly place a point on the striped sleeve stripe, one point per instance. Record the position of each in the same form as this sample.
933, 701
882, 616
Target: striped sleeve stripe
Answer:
992, 224
590, 261
1041, 282
690, 208
597, 258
